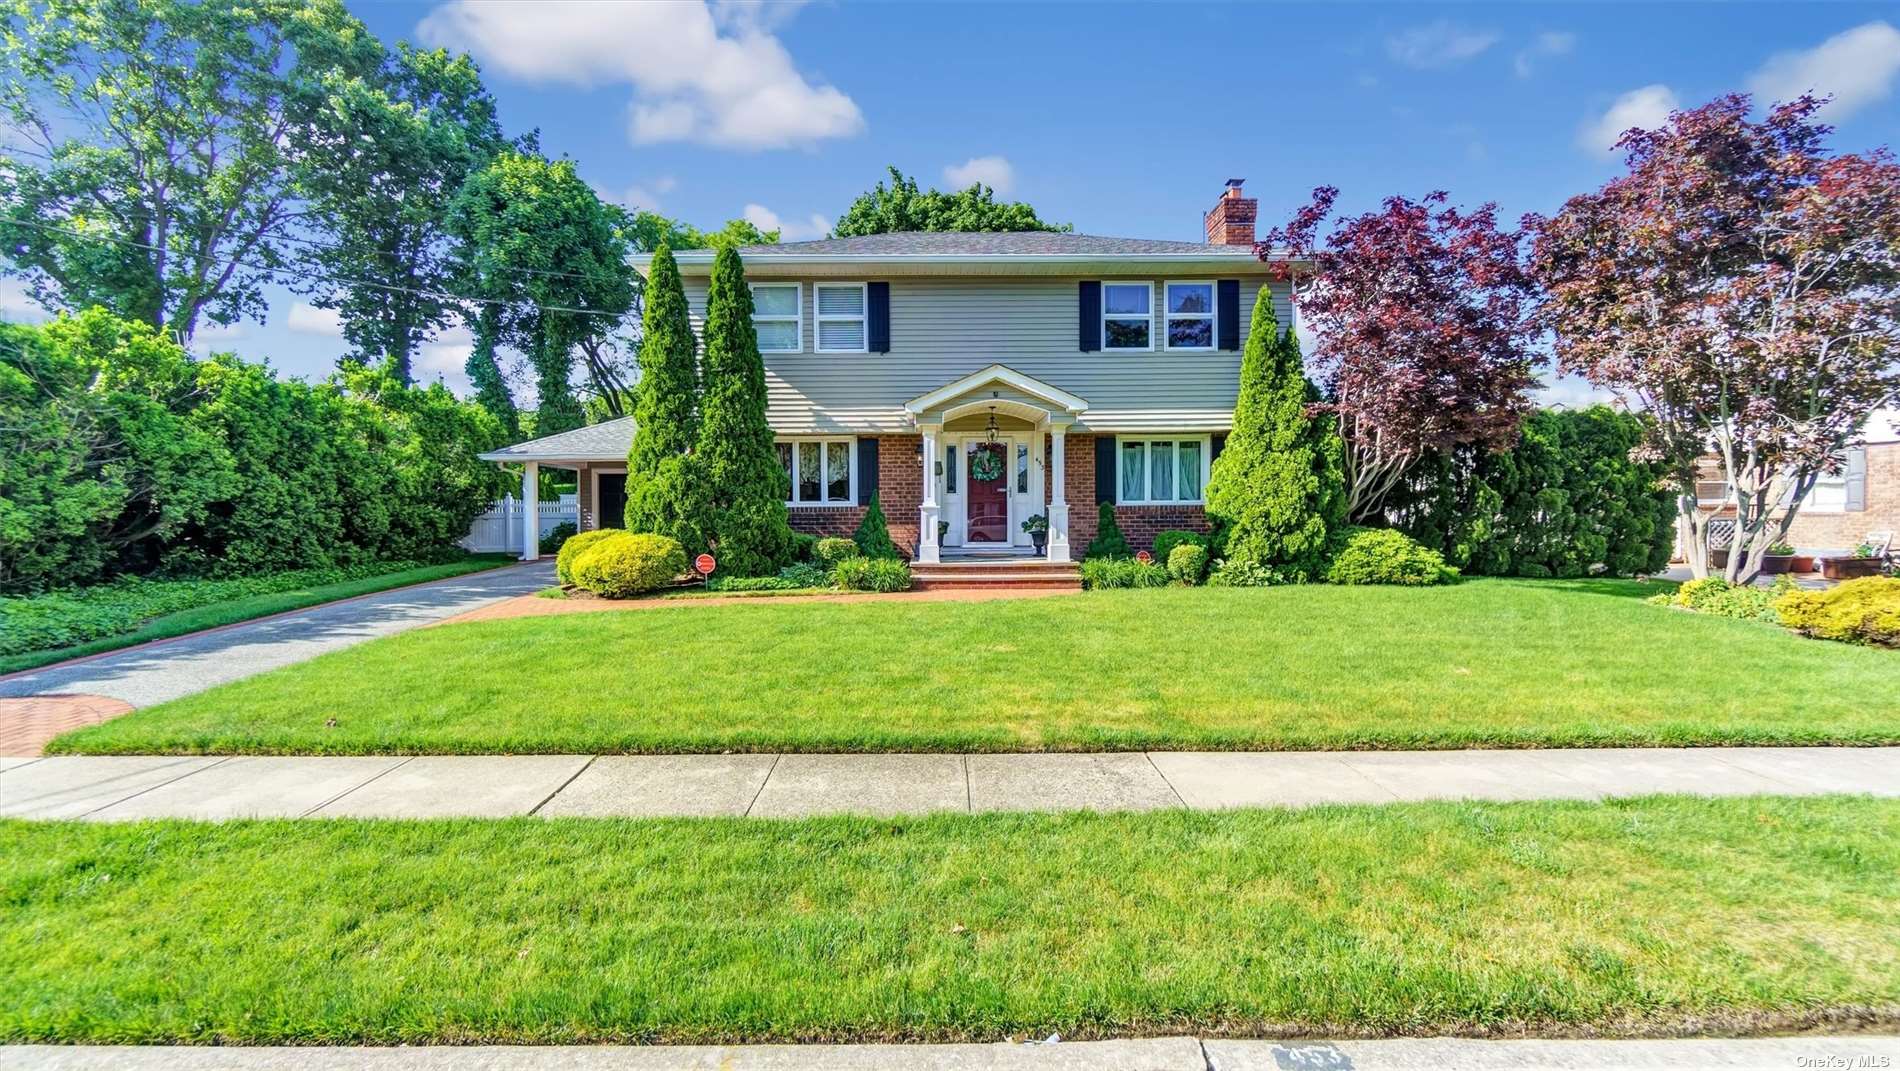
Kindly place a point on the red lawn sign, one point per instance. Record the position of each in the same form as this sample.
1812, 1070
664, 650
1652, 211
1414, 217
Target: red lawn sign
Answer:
704, 564
1144, 558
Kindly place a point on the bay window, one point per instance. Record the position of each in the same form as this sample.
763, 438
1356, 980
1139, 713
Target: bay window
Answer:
1161, 471
820, 472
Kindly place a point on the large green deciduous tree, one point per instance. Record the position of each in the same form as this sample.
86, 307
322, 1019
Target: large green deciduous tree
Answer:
155, 161
903, 207
536, 242
391, 155
751, 533
1277, 494
666, 491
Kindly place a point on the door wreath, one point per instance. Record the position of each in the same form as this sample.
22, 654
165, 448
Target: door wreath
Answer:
986, 464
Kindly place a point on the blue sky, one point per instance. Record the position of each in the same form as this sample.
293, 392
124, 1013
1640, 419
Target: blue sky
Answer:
1120, 119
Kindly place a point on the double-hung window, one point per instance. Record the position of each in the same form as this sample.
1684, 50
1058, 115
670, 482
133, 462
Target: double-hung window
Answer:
821, 472
1127, 317
1152, 471
840, 317
777, 318
1190, 308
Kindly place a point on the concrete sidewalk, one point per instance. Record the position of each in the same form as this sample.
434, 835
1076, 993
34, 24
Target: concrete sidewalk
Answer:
155, 672
783, 786
1157, 1054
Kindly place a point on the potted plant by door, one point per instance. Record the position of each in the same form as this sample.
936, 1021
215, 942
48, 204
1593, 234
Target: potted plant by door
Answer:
1779, 559
1038, 528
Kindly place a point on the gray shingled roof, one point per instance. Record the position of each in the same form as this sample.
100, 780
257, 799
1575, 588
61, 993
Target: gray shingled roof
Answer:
596, 442
1023, 243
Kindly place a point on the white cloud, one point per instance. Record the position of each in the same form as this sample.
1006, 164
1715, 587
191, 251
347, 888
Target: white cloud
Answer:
1438, 45
307, 319
1856, 68
1546, 44
995, 172
756, 15
815, 225
16, 306
642, 195
1648, 107
712, 75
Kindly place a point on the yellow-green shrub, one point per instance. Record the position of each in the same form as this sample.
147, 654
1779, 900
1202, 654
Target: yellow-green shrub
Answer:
627, 564
1858, 611
575, 546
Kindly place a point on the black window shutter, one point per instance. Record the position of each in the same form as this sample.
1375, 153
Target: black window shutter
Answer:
1227, 314
1090, 322
1213, 448
877, 300
1104, 469
867, 467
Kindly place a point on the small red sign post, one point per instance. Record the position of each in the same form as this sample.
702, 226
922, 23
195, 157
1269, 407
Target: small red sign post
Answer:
1145, 558
704, 565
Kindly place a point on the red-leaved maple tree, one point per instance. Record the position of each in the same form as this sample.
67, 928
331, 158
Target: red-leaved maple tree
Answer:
1739, 285
1418, 318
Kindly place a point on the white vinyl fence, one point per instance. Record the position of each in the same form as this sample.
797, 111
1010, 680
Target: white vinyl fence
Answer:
499, 529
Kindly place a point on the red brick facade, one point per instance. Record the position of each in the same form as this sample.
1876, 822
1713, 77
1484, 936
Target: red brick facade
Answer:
900, 492
1231, 220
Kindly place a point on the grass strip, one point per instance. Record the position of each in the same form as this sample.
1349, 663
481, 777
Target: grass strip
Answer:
1638, 917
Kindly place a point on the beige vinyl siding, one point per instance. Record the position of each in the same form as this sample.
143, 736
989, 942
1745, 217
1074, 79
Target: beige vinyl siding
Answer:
944, 328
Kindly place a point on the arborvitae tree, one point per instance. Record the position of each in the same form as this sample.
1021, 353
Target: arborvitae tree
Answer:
751, 535
1109, 541
1277, 493
873, 536
666, 493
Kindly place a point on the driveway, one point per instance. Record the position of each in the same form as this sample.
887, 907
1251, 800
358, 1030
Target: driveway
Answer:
156, 672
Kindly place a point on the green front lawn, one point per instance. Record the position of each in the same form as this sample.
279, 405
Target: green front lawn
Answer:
249, 607
1489, 662
1645, 916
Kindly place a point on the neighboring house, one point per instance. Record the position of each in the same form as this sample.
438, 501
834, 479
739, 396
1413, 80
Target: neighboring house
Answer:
1065, 370
1843, 507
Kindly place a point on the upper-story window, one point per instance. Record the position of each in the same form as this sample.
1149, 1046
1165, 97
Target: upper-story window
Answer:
840, 317
1127, 317
1190, 308
777, 317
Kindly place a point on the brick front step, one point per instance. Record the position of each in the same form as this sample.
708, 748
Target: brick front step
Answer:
1043, 575
997, 584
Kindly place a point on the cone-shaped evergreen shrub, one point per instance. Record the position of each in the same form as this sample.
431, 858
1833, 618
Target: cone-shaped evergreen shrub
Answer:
1109, 541
666, 492
873, 536
746, 488
1277, 493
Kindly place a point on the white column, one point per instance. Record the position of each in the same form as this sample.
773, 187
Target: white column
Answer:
531, 511
1058, 495
927, 552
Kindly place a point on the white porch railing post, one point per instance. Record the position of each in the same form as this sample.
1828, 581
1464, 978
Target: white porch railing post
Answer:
1058, 495
530, 516
927, 551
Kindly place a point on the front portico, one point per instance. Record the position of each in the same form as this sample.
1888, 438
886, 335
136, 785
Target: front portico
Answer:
994, 418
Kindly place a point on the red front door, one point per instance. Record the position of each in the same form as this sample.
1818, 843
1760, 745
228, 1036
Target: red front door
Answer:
988, 499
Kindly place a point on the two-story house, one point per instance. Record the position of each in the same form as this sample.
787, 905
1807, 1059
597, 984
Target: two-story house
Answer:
975, 380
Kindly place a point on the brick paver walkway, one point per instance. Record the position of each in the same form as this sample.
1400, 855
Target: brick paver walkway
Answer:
27, 724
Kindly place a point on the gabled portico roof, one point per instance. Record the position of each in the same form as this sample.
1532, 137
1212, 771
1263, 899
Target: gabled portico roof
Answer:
1008, 389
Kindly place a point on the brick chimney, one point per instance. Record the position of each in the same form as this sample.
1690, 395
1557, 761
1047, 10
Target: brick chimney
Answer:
1231, 221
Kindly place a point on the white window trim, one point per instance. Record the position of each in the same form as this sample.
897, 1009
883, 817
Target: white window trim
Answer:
1213, 316
797, 318
863, 319
1147, 472
824, 484
1106, 316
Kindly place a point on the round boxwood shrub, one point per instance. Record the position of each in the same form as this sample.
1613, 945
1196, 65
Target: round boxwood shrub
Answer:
1186, 563
1857, 611
574, 547
831, 550
1386, 556
1167, 541
872, 574
628, 564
